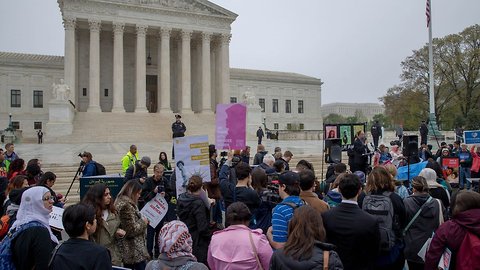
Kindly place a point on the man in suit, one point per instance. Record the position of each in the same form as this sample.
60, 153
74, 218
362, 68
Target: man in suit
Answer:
354, 232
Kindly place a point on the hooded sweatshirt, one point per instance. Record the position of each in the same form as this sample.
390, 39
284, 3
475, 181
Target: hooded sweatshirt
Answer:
450, 235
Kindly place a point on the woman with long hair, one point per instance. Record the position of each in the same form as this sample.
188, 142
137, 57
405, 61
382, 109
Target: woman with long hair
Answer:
32, 248
465, 207
231, 248
305, 247
108, 221
421, 225
163, 159
380, 187
192, 210
132, 247
19, 181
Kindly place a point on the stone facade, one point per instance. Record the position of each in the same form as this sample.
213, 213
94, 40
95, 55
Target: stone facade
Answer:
156, 56
349, 109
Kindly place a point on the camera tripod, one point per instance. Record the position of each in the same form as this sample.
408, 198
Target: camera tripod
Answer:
79, 170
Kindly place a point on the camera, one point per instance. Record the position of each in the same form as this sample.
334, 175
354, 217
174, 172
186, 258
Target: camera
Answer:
396, 142
223, 153
160, 188
80, 155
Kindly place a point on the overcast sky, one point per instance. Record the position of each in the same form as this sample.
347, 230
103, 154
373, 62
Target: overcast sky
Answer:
355, 47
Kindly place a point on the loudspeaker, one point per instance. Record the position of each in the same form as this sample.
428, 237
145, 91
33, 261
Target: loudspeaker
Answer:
333, 153
410, 145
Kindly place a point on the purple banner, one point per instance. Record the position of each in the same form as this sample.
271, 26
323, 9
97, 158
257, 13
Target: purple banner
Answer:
231, 126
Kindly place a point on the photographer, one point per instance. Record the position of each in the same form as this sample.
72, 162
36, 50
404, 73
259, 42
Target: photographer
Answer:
89, 169
154, 185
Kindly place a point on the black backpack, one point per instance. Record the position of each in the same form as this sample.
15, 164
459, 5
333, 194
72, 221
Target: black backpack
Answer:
100, 169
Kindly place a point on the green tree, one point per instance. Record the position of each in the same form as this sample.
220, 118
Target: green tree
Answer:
456, 85
334, 118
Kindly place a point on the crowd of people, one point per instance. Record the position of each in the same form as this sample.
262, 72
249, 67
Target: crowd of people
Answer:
277, 215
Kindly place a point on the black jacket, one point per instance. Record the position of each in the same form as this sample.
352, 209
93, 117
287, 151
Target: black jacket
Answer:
178, 129
32, 248
281, 261
422, 227
149, 186
355, 234
192, 211
258, 158
81, 254
135, 172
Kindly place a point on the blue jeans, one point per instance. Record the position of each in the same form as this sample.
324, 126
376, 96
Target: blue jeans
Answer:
464, 174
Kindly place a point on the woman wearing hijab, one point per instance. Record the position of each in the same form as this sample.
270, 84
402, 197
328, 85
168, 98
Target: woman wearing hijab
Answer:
31, 249
436, 190
175, 243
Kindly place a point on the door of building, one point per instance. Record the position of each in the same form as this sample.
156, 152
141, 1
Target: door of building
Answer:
152, 93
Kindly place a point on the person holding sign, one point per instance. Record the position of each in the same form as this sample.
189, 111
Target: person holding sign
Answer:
154, 185
108, 221
132, 246
79, 252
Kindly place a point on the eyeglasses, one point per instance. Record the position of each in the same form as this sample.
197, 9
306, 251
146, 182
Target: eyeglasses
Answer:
49, 198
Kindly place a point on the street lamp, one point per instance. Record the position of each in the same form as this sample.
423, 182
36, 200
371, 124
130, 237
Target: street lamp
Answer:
10, 125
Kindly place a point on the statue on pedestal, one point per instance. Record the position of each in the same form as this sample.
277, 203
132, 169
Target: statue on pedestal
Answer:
249, 98
60, 91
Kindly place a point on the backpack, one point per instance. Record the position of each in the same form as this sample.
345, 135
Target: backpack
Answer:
4, 225
100, 169
468, 256
381, 207
262, 217
6, 260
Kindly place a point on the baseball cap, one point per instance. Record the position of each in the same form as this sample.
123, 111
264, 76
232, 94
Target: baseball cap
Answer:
289, 178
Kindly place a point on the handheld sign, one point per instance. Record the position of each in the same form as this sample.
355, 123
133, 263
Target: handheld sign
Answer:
231, 126
56, 218
155, 210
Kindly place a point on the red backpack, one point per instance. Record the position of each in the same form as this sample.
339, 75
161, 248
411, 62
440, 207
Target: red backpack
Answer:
4, 225
468, 256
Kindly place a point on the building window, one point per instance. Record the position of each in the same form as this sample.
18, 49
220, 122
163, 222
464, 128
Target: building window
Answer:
105, 92
288, 106
275, 125
301, 126
37, 99
300, 106
261, 102
15, 99
37, 125
84, 92
289, 126
233, 99
275, 105
15, 125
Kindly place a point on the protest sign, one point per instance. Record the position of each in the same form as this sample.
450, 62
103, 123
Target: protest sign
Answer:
56, 218
231, 126
450, 168
192, 158
114, 182
471, 136
155, 209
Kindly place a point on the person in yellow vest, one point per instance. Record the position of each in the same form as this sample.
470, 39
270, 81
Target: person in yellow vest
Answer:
130, 158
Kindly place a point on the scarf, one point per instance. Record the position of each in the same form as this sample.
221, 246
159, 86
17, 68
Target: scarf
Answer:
32, 209
175, 240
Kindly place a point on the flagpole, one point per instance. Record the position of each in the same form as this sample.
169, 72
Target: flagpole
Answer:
432, 119
430, 63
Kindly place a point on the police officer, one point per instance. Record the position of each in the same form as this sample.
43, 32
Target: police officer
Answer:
178, 130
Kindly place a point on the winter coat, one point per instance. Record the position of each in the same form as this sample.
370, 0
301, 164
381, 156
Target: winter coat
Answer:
465, 158
106, 235
281, 261
423, 226
258, 158
475, 160
213, 187
178, 129
450, 235
192, 211
133, 248
136, 172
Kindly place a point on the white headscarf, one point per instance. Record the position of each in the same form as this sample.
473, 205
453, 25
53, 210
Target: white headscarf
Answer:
33, 209
431, 176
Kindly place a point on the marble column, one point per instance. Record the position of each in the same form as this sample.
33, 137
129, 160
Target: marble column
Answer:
225, 68
94, 67
206, 77
118, 29
140, 79
69, 59
164, 70
186, 76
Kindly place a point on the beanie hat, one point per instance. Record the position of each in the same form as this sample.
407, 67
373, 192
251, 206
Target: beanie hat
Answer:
146, 161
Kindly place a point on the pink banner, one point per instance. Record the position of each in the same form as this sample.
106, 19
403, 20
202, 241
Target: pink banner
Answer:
231, 126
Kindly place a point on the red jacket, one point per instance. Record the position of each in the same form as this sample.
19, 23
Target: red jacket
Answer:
450, 235
476, 160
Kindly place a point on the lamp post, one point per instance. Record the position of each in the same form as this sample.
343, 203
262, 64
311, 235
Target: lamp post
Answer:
10, 125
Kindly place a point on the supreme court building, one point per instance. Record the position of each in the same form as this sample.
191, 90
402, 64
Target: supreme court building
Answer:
149, 56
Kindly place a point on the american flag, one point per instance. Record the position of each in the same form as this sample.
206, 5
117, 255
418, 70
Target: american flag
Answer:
427, 12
